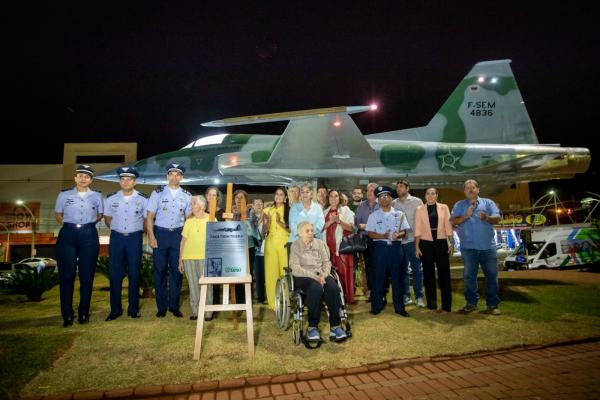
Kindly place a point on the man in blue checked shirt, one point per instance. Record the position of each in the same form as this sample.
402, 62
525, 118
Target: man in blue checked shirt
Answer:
475, 217
124, 214
168, 207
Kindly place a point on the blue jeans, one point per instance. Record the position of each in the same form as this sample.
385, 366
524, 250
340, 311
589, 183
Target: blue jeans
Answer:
417, 271
488, 260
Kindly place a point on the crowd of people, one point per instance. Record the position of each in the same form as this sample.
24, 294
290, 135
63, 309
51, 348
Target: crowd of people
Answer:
401, 232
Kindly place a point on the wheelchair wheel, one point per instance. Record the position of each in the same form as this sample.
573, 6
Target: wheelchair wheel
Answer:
282, 303
297, 332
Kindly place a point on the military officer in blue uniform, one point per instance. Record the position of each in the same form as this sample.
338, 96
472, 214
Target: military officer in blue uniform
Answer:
170, 205
124, 214
78, 210
387, 226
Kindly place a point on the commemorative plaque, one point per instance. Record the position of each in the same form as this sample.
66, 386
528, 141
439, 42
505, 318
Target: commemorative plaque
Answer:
226, 246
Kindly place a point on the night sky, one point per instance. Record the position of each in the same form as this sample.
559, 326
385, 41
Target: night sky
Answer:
152, 73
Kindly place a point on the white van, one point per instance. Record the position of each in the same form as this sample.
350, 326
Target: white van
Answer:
560, 246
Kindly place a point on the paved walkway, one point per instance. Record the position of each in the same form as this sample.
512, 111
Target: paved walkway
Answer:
567, 371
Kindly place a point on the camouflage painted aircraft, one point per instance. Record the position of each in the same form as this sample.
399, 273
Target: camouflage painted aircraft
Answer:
482, 132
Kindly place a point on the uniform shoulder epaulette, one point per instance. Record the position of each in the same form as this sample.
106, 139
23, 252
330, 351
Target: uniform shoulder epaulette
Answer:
186, 192
111, 194
97, 191
144, 195
66, 190
159, 188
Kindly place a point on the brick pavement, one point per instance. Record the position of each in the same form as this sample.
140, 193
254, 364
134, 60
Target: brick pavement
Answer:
562, 371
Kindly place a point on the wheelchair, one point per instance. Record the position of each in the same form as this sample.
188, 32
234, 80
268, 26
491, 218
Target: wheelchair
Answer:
289, 308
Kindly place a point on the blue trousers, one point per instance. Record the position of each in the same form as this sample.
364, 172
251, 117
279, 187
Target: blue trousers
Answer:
166, 263
488, 259
315, 294
76, 247
125, 254
417, 271
388, 259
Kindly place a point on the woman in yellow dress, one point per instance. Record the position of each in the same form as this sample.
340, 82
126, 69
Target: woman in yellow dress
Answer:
277, 233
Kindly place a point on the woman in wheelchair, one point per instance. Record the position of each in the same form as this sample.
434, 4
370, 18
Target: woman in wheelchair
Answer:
310, 266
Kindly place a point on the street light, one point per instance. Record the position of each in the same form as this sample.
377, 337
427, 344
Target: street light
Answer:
554, 196
7, 241
22, 204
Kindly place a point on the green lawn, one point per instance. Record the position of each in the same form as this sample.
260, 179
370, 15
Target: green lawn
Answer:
38, 356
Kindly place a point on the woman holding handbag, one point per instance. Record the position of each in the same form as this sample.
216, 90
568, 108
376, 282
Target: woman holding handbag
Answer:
339, 222
434, 243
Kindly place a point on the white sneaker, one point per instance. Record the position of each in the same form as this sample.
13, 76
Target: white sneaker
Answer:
420, 302
407, 301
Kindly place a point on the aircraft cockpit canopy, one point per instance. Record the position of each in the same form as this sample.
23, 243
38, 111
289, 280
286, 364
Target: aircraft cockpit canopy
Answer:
207, 140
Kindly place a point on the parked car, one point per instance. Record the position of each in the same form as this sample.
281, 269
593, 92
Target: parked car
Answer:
35, 262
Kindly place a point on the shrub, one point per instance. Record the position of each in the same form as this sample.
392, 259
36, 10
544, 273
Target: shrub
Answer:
30, 282
147, 277
102, 265
146, 273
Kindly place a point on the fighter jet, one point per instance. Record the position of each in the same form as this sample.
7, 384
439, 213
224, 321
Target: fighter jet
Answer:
483, 132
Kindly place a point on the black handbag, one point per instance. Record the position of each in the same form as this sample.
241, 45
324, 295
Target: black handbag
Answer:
355, 243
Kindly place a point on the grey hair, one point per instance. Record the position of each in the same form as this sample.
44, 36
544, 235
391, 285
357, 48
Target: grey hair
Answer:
200, 200
303, 224
473, 181
372, 184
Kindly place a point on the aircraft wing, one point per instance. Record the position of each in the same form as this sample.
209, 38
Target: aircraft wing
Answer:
330, 141
319, 139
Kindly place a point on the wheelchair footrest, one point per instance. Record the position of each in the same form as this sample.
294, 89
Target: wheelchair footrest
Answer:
333, 339
311, 344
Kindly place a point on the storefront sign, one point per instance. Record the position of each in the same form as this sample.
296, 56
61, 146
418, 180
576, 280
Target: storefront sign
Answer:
514, 219
17, 218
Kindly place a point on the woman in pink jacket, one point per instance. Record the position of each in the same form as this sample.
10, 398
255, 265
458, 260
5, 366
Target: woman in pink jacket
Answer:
434, 243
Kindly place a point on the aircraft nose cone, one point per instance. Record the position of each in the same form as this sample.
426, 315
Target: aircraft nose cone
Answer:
110, 175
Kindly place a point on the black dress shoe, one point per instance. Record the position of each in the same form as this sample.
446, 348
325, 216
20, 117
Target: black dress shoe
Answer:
209, 318
177, 313
193, 317
67, 322
374, 312
161, 314
402, 313
112, 316
135, 315
83, 319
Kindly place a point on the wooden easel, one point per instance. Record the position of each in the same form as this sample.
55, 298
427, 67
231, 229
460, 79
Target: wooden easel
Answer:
226, 281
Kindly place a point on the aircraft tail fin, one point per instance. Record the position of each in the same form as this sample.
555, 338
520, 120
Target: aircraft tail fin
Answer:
485, 107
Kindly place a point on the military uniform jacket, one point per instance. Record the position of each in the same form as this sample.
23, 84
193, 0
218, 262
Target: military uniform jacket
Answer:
170, 210
127, 215
382, 222
78, 209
